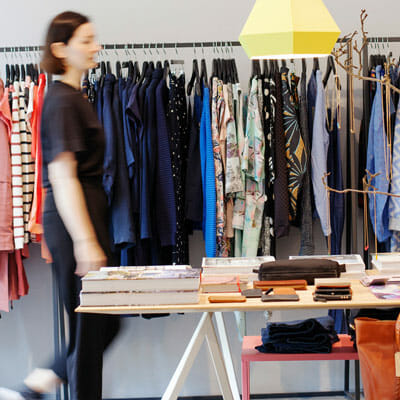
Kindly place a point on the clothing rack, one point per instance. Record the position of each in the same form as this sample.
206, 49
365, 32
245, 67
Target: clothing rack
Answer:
379, 40
58, 311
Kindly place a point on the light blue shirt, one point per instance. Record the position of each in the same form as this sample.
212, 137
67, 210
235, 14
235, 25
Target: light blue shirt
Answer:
394, 202
319, 155
377, 148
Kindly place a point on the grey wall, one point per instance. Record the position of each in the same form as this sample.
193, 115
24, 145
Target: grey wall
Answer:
142, 360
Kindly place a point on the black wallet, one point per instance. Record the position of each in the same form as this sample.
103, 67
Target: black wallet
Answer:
280, 297
332, 293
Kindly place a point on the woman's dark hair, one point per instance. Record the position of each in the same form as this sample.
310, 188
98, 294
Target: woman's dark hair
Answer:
61, 29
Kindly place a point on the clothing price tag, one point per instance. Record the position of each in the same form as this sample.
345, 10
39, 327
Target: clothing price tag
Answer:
397, 363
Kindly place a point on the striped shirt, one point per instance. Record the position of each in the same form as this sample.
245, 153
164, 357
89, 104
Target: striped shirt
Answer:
16, 172
28, 166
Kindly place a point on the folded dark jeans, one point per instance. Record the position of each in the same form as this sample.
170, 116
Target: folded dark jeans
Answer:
285, 348
314, 335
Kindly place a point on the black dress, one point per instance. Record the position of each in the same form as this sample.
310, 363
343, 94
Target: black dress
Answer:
69, 124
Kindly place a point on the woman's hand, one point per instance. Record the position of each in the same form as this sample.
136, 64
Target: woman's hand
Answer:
89, 256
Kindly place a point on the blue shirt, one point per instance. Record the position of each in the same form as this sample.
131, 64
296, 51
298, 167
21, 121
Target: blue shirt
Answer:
319, 155
208, 178
377, 151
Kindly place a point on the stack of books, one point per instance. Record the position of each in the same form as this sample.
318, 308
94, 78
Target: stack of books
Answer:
131, 286
241, 267
355, 267
386, 262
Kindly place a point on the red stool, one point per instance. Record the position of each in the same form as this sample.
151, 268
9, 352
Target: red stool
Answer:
342, 350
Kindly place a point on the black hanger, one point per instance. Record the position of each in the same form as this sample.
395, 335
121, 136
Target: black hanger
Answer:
316, 64
283, 62
150, 69
108, 67
231, 72
194, 78
8, 73
144, 70
203, 73
12, 73
265, 68
17, 72
135, 71
29, 71
23, 72
166, 69
159, 65
118, 69
328, 71
255, 69
303, 66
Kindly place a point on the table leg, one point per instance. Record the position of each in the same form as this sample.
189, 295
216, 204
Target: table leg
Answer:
204, 330
226, 353
220, 366
240, 317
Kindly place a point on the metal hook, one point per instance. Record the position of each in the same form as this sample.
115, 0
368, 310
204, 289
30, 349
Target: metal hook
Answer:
176, 48
202, 47
150, 51
133, 49
144, 51
115, 49
194, 48
163, 47
158, 53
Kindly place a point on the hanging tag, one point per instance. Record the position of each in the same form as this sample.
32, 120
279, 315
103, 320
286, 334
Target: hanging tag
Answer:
397, 363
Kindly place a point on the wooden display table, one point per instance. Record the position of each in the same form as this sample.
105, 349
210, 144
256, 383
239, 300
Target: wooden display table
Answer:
220, 352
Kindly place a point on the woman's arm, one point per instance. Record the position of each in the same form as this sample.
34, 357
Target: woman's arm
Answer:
71, 206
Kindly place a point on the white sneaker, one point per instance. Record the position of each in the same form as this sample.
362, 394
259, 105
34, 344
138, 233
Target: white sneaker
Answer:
7, 394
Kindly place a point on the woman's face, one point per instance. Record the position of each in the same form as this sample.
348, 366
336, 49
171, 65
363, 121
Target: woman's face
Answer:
81, 49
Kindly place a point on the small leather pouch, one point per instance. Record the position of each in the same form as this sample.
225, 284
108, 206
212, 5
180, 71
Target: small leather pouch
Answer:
252, 293
284, 290
226, 299
279, 297
299, 269
298, 284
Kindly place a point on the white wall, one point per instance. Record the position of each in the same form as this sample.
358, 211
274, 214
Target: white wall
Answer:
143, 359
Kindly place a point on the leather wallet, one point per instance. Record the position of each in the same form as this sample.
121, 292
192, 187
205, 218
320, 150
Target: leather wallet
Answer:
226, 299
252, 293
298, 284
332, 293
280, 297
284, 290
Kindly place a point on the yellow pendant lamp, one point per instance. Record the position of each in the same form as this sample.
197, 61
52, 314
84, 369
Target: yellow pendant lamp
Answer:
279, 29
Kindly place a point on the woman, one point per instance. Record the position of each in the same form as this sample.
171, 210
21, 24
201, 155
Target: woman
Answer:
75, 214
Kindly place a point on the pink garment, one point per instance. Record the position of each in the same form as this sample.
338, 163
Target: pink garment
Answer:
4, 303
17, 282
6, 212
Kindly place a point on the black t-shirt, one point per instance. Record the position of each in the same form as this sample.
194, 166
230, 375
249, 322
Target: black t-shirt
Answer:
69, 123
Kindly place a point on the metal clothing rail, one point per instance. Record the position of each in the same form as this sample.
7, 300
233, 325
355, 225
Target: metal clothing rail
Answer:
138, 46
145, 46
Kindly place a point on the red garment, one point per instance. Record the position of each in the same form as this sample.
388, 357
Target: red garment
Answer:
35, 221
4, 303
17, 282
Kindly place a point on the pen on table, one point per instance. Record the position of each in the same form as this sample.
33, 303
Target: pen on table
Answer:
269, 291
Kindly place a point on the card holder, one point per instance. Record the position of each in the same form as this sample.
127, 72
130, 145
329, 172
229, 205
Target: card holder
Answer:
252, 293
279, 297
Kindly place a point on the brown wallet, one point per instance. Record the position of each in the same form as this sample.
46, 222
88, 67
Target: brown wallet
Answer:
298, 284
284, 290
226, 299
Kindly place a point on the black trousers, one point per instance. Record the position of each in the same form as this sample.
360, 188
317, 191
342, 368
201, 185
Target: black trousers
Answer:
89, 334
